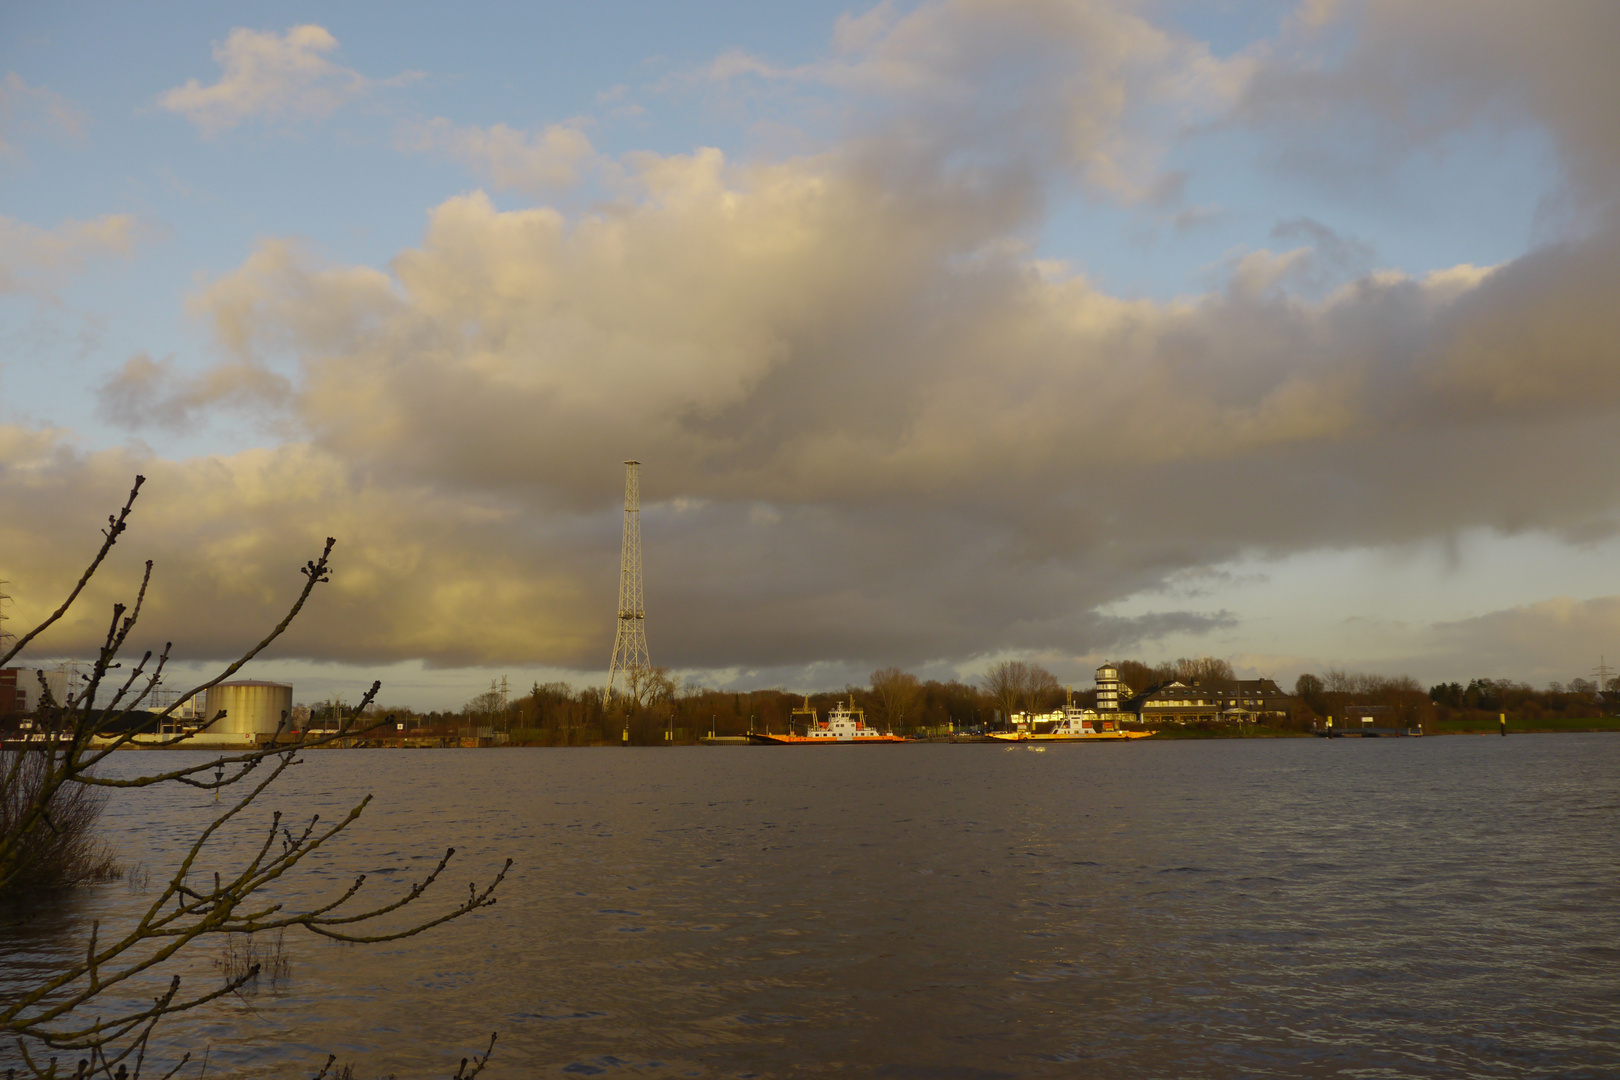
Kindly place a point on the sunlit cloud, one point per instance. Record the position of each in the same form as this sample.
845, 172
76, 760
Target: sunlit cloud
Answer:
22, 106
270, 76
35, 260
538, 163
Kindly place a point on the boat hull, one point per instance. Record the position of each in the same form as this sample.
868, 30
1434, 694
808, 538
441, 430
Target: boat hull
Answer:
759, 739
1099, 736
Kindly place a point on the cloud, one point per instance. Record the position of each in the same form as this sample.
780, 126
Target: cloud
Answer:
21, 103
1410, 75
1090, 88
1196, 217
36, 260
146, 392
274, 301
876, 427
537, 163
269, 76
1554, 640
229, 533
892, 434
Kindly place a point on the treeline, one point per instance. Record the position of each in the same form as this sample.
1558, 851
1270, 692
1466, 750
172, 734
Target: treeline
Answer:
1479, 703
657, 708
1400, 699
1579, 699
555, 714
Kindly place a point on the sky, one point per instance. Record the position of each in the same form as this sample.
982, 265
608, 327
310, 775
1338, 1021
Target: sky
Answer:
946, 332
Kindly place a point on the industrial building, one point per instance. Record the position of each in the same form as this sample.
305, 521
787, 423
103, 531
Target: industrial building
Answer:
252, 708
14, 691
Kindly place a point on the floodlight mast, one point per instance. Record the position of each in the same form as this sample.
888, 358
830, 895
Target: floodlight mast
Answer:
630, 642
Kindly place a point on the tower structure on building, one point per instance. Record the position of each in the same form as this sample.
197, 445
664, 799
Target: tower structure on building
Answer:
630, 642
1108, 688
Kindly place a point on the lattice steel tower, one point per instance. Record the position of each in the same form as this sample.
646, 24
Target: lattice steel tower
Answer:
630, 644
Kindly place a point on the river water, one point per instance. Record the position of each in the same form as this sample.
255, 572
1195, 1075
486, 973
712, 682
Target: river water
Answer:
1444, 907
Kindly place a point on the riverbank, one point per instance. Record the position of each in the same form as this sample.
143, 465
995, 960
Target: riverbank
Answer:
1229, 731
1524, 726
1515, 726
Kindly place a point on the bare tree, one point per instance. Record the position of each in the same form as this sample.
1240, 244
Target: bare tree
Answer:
1015, 686
1208, 670
650, 685
1141, 678
77, 1007
485, 707
897, 693
1043, 691
1003, 684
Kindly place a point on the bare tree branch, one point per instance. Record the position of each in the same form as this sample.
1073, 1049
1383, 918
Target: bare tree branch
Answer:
78, 736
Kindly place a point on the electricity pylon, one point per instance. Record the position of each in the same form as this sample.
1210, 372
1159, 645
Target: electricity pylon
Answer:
1604, 675
630, 643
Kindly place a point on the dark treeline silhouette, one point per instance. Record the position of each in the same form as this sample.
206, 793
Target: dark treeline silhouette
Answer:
1579, 699
657, 709
1144, 678
555, 714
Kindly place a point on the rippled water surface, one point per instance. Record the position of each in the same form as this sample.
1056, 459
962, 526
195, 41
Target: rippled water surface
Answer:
1443, 907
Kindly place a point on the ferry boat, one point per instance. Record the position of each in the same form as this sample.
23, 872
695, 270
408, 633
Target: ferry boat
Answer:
1068, 724
844, 724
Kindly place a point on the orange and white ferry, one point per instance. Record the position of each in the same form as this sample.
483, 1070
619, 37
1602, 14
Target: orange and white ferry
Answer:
844, 724
1064, 725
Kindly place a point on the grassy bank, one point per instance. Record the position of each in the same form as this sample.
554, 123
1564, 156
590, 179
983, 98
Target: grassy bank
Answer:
1523, 725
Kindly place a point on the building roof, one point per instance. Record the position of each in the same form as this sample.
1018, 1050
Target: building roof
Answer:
1238, 692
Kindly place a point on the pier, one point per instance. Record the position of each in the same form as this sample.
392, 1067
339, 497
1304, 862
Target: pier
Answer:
1366, 731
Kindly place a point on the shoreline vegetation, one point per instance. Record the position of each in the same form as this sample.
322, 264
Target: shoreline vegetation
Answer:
667, 713
662, 711
658, 710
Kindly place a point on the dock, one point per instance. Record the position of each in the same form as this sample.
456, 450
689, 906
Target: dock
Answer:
1365, 732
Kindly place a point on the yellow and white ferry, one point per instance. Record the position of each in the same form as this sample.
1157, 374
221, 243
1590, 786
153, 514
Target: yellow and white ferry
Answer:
1069, 724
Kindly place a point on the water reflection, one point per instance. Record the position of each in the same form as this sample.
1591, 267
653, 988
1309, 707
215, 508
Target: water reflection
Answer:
1440, 907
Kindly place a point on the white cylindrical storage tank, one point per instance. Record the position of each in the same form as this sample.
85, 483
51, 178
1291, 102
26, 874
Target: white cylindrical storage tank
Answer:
251, 707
